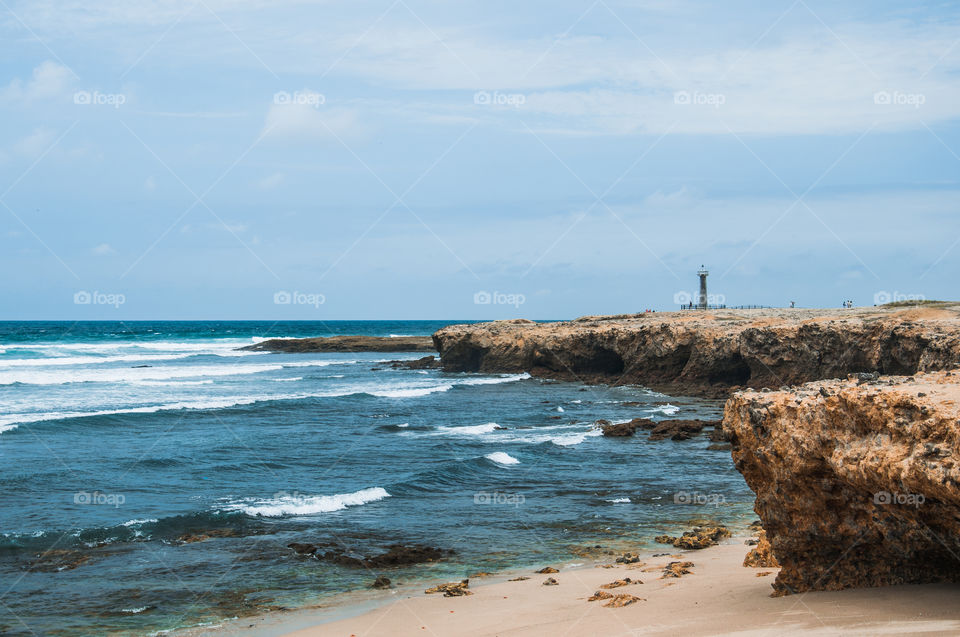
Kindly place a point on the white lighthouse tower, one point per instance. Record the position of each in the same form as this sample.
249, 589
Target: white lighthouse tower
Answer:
702, 298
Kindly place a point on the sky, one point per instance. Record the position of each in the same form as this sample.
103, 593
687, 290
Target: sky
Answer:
405, 159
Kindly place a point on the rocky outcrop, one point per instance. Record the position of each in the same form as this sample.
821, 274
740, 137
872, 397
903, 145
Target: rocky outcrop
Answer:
345, 344
451, 589
427, 362
624, 429
672, 429
680, 429
709, 353
395, 555
697, 538
856, 480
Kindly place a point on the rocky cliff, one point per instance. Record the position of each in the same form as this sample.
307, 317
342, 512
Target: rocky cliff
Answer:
710, 353
856, 480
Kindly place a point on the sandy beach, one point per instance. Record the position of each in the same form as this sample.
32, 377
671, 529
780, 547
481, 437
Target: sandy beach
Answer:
718, 597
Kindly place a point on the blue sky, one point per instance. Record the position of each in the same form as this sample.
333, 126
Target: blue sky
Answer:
398, 159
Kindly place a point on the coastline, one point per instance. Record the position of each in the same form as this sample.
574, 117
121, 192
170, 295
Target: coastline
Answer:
347, 605
722, 353
892, 479
718, 596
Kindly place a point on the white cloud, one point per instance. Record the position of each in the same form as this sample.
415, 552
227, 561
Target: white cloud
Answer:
270, 182
800, 78
36, 143
49, 80
669, 199
306, 123
104, 249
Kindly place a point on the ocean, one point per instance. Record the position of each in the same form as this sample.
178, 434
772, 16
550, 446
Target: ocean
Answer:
153, 475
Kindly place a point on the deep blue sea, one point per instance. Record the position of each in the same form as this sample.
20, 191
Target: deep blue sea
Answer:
118, 441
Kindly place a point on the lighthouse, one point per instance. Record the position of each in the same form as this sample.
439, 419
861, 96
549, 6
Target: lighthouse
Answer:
702, 298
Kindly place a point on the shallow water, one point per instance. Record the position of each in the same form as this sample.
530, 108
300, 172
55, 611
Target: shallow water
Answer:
120, 440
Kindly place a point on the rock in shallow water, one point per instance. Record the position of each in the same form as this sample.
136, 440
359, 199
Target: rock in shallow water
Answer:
697, 538
381, 582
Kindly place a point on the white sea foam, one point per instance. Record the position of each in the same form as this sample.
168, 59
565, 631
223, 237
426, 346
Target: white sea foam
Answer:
133, 522
7, 422
287, 380
560, 435
135, 374
318, 363
171, 383
572, 435
410, 392
404, 424
619, 501
63, 361
501, 458
560, 409
415, 390
134, 611
214, 346
470, 430
667, 410
570, 440
505, 378
296, 504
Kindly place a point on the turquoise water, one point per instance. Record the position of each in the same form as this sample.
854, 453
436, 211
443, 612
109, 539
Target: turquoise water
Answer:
118, 441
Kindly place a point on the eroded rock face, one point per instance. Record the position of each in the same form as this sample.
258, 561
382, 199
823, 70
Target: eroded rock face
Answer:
707, 353
856, 480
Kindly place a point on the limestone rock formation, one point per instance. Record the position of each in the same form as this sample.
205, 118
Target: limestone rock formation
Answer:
856, 480
709, 353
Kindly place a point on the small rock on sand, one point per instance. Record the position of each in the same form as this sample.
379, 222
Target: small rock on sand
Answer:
626, 581
623, 600
677, 569
600, 595
451, 589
